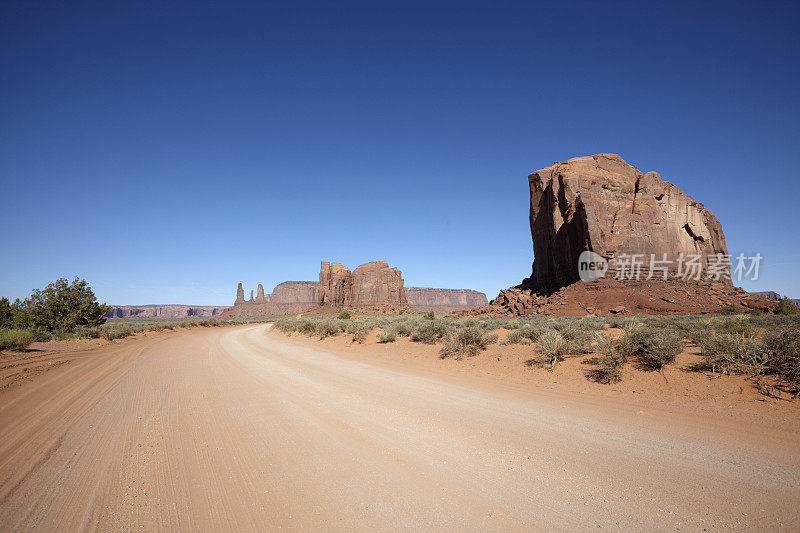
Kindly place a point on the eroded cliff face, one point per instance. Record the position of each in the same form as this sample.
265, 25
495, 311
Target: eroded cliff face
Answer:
376, 284
335, 285
163, 311
603, 204
444, 301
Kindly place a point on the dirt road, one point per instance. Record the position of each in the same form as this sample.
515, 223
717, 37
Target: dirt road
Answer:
234, 429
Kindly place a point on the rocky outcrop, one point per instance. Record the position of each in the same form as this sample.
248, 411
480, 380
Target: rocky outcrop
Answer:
335, 285
163, 311
376, 284
295, 292
260, 297
772, 295
239, 295
289, 297
610, 297
372, 285
443, 301
603, 204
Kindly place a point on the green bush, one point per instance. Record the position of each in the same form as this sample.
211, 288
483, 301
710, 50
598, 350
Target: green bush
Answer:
728, 309
344, 315
468, 340
16, 339
785, 307
61, 306
6, 314
429, 315
514, 323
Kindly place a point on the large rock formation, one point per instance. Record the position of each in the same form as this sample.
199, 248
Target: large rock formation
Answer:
163, 311
376, 284
260, 297
289, 297
239, 295
443, 301
371, 285
603, 204
335, 285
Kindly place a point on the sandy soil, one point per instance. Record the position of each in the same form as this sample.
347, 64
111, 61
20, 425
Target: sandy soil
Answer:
244, 429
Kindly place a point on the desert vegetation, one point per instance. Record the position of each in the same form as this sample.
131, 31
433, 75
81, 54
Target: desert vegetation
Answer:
755, 345
65, 310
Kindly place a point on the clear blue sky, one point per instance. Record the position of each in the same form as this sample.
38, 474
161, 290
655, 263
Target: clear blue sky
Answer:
165, 153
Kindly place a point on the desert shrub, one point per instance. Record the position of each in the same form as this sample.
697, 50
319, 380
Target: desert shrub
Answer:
16, 339
783, 346
514, 323
729, 354
735, 326
468, 340
579, 338
532, 331
659, 346
359, 330
728, 309
551, 345
344, 315
286, 325
89, 333
306, 327
513, 337
119, 332
785, 307
610, 363
387, 335
429, 332
429, 315
327, 328
405, 328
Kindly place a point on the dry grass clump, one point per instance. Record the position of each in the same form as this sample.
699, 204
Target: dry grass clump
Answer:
659, 347
610, 363
16, 339
467, 340
775, 352
552, 346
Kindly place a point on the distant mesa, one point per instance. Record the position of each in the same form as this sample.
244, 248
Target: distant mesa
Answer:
772, 295
602, 204
164, 311
372, 286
